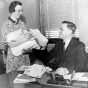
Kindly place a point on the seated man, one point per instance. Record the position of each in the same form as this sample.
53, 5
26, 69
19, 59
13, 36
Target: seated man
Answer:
73, 56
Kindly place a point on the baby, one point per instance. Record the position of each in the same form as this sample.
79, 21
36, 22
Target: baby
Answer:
19, 35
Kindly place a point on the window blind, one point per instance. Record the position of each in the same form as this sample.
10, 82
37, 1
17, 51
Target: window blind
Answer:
53, 13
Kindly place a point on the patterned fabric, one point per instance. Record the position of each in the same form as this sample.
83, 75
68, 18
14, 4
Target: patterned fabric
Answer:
13, 62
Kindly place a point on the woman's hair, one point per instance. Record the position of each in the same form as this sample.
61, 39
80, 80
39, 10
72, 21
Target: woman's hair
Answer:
70, 25
13, 5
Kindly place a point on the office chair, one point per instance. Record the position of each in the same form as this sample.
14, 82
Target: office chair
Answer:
3, 54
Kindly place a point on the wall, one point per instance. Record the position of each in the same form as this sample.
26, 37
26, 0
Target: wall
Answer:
83, 21
30, 14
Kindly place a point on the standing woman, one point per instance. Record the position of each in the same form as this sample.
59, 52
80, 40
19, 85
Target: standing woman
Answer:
10, 25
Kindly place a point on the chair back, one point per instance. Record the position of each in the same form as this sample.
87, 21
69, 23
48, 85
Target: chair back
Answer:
3, 55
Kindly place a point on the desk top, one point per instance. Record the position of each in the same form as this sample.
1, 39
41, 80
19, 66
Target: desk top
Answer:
6, 81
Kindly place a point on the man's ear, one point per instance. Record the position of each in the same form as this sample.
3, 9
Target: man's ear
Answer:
70, 32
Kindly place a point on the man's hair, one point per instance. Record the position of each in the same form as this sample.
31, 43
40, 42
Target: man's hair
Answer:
70, 25
13, 5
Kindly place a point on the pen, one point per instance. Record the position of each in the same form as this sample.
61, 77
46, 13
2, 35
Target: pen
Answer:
72, 75
74, 71
43, 67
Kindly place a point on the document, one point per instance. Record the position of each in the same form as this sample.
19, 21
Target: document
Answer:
21, 78
36, 70
23, 68
76, 76
67, 76
83, 79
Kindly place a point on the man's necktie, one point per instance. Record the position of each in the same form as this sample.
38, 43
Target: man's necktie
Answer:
63, 46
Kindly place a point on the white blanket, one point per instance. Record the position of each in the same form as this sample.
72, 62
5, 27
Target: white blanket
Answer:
18, 35
41, 39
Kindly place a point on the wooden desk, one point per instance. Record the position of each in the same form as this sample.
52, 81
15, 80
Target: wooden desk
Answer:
6, 81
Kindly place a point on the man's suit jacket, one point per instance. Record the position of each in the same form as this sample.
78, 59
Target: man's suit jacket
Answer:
73, 58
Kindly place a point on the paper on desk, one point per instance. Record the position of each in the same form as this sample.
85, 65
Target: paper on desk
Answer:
75, 77
23, 68
83, 79
37, 70
67, 76
24, 79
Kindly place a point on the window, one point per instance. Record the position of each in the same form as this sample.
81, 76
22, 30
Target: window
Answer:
53, 12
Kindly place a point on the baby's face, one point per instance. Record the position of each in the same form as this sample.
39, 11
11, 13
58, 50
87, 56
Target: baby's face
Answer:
30, 35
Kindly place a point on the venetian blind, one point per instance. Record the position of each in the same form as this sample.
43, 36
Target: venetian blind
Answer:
53, 13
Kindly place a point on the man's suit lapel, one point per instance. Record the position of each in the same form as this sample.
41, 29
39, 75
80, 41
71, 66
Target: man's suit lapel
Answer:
68, 49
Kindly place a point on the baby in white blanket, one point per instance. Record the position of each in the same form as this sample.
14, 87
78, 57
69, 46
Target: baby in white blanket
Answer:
19, 35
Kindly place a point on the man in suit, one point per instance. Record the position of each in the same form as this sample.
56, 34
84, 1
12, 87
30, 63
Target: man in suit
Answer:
73, 56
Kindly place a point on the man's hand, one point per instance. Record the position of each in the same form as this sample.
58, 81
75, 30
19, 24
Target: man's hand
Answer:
62, 71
